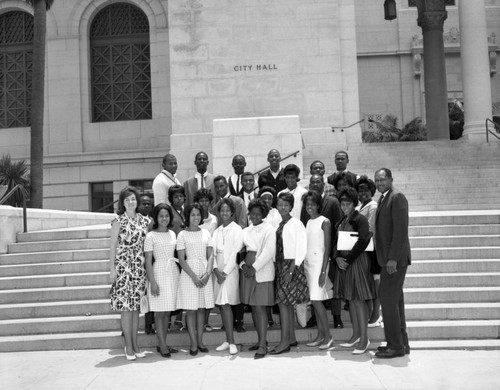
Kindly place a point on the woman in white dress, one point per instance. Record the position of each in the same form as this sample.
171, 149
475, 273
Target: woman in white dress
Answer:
196, 293
316, 266
228, 241
257, 287
163, 275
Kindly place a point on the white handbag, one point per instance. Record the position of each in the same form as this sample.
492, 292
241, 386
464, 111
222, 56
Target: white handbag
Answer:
347, 240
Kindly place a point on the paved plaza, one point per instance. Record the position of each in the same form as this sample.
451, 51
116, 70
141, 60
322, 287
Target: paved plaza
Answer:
301, 369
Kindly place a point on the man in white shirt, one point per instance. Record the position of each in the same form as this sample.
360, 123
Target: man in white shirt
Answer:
165, 179
249, 191
235, 180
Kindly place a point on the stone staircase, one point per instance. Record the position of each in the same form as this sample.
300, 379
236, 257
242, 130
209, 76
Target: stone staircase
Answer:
439, 175
54, 289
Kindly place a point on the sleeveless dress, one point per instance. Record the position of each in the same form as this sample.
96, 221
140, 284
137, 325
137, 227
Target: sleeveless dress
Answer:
166, 272
130, 281
314, 261
355, 283
190, 297
296, 291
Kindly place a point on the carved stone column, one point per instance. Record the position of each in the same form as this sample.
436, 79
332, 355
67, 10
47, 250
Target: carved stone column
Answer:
475, 68
431, 17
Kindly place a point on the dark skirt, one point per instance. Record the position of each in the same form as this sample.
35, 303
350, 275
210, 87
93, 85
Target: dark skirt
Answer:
294, 292
256, 294
356, 283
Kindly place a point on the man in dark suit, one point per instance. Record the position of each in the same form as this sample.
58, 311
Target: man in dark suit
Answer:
341, 161
222, 191
202, 179
394, 256
330, 209
235, 180
274, 176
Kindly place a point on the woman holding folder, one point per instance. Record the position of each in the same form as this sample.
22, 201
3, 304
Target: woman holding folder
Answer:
353, 280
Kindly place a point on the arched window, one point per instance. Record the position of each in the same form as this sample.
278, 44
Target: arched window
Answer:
16, 55
120, 63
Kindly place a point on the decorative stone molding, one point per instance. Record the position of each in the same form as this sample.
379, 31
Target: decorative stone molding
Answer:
417, 64
432, 20
451, 45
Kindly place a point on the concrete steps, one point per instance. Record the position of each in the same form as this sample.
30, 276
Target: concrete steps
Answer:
435, 175
58, 298
59, 245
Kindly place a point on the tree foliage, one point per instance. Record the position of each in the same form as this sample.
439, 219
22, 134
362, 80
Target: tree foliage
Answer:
12, 174
388, 131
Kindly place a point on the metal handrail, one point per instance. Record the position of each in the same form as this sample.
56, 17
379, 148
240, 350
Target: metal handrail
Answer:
489, 131
294, 154
106, 206
23, 192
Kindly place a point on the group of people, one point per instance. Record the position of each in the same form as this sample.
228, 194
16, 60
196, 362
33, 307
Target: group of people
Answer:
217, 241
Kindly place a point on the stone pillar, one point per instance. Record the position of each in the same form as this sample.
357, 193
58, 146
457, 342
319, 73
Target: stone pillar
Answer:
431, 17
475, 68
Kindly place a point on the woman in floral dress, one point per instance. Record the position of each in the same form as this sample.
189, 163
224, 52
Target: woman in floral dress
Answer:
127, 271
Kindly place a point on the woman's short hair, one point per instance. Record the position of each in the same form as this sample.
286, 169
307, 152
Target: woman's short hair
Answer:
203, 193
343, 176
364, 180
271, 190
314, 197
291, 168
349, 194
229, 202
187, 212
287, 197
125, 193
257, 202
174, 190
156, 212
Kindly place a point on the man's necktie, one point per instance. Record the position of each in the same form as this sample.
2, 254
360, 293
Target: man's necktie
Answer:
202, 181
238, 185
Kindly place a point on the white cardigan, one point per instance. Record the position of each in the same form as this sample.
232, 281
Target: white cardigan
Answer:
262, 239
295, 241
233, 242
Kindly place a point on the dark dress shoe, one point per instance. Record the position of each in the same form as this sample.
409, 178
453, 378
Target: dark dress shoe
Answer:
259, 355
390, 353
337, 322
193, 353
384, 348
311, 323
203, 349
255, 347
163, 354
275, 352
294, 344
239, 328
149, 329
172, 350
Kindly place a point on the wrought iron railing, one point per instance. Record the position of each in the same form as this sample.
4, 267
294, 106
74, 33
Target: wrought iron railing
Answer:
24, 195
294, 154
496, 126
